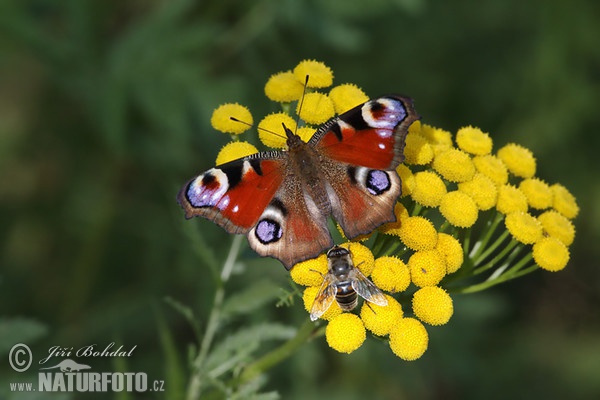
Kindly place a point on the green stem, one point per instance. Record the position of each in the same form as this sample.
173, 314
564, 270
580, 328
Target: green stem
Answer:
490, 249
511, 245
492, 225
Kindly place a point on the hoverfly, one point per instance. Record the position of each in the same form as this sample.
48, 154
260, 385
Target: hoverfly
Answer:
343, 282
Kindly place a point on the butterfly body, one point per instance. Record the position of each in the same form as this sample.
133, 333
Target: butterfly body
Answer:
282, 199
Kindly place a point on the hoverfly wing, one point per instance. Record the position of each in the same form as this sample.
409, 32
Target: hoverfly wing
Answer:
367, 289
324, 297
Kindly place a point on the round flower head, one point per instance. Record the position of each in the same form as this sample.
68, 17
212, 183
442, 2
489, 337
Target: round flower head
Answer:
235, 150
558, 226
519, 160
407, 178
538, 193
305, 133
432, 305
492, 167
310, 272
482, 190
459, 209
221, 118
345, 333
523, 227
564, 201
550, 254
283, 87
381, 319
452, 251
308, 297
316, 108
393, 228
319, 74
510, 199
417, 150
270, 129
347, 96
409, 339
427, 268
437, 137
474, 141
429, 189
454, 165
390, 274
418, 233
361, 256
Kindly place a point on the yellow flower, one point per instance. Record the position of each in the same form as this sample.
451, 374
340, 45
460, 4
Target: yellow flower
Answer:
308, 297
437, 137
270, 129
429, 189
393, 228
519, 160
418, 233
345, 333
319, 74
523, 227
233, 151
409, 339
390, 274
510, 199
474, 141
454, 165
551, 254
538, 193
221, 118
417, 150
317, 108
427, 268
459, 209
361, 256
558, 226
305, 133
451, 249
492, 167
310, 272
407, 178
380, 319
347, 96
482, 190
432, 305
283, 87
564, 201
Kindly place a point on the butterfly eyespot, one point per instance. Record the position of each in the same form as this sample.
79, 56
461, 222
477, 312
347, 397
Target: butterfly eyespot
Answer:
268, 231
386, 113
208, 189
377, 182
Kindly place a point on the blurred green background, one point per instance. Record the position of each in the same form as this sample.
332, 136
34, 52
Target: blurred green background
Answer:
104, 114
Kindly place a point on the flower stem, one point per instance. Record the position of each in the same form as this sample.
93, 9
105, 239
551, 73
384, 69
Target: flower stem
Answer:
491, 225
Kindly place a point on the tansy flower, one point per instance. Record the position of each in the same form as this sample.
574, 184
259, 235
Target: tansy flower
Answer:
459, 209
319, 74
393, 228
519, 160
482, 190
407, 178
558, 226
234, 150
283, 87
390, 274
550, 254
450, 248
454, 165
523, 227
308, 298
429, 189
473, 141
427, 268
438, 138
510, 199
538, 193
432, 305
305, 133
361, 256
345, 333
221, 118
346, 97
417, 151
409, 339
310, 272
418, 233
316, 109
270, 129
564, 201
381, 319
492, 167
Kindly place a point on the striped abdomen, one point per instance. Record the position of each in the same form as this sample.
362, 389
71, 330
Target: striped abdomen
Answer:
346, 296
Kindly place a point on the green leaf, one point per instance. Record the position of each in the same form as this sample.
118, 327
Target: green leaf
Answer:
250, 299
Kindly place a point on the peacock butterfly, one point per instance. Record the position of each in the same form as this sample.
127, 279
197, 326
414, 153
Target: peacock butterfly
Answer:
282, 199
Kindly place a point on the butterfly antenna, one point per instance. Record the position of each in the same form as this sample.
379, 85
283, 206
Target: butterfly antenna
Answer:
262, 129
301, 102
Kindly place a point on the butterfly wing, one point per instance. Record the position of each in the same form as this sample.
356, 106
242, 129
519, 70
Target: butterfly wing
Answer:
367, 289
324, 298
